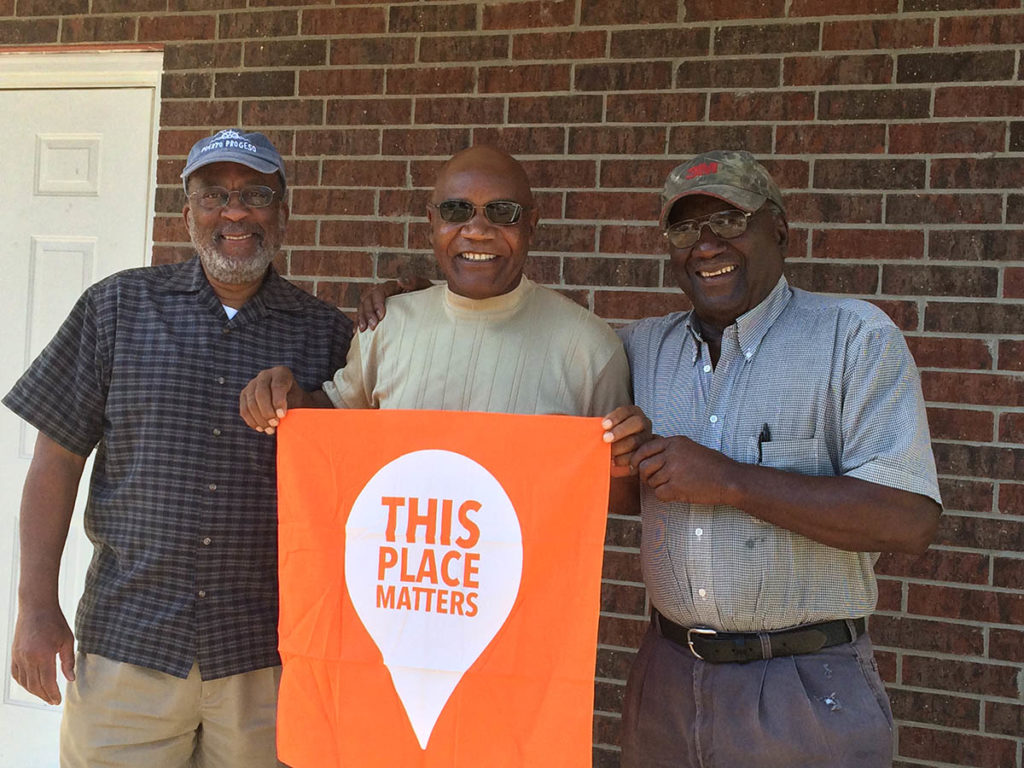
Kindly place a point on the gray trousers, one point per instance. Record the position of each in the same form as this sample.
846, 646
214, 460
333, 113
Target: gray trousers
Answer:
825, 709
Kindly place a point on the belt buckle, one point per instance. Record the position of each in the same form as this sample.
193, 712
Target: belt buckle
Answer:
690, 632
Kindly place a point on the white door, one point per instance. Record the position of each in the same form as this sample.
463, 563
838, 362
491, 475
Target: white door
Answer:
76, 190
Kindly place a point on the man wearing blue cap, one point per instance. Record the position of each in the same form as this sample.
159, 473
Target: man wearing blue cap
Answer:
177, 645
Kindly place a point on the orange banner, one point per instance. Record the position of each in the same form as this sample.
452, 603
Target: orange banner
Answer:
440, 588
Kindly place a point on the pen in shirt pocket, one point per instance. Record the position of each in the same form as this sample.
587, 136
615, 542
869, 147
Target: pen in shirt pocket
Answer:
764, 437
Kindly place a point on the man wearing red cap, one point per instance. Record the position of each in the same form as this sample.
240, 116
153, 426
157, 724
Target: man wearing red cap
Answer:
177, 629
791, 448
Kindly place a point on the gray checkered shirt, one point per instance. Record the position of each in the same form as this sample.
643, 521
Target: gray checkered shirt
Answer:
182, 503
836, 385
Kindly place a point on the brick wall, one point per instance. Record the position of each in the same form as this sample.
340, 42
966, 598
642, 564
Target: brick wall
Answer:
894, 127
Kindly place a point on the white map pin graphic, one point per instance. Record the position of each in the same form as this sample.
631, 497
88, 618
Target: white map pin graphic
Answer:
433, 561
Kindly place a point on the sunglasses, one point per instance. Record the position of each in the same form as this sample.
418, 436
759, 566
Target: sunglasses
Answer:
725, 224
500, 212
211, 198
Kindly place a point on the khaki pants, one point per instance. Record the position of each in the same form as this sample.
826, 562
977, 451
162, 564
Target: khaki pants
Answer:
119, 715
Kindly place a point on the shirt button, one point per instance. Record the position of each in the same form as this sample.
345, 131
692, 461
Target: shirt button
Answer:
206, 541
703, 594
707, 369
216, 432
202, 593
749, 355
699, 532
226, 331
219, 379
714, 419
212, 486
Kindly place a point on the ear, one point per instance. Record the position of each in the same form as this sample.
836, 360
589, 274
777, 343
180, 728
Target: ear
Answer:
430, 229
781, 232
532, 218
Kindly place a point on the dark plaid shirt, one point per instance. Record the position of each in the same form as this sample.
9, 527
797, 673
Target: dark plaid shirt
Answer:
182, 504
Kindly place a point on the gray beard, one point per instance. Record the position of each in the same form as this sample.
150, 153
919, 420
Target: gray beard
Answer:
232, 271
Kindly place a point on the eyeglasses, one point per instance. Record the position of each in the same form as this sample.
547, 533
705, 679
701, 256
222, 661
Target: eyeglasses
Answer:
212, 198
501, 212
726, 224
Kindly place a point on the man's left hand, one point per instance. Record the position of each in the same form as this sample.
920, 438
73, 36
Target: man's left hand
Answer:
627, 428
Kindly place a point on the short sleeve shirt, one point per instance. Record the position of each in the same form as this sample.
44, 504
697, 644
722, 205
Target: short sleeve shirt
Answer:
832, 382
182, 507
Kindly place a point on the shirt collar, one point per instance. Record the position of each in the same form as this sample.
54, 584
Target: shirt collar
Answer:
752, 325
274, 293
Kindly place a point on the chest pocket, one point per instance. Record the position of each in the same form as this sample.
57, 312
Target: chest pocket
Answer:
806, 457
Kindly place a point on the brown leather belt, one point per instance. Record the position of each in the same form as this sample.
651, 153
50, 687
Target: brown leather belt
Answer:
738, 647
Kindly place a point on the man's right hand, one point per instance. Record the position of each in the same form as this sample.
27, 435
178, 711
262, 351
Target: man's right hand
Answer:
266, 399
372, 303
39, 638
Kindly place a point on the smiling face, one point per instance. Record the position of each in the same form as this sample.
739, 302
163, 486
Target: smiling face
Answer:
725, 278
481, 259
235, 243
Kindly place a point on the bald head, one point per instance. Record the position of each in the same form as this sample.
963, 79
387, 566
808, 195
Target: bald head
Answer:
490, 161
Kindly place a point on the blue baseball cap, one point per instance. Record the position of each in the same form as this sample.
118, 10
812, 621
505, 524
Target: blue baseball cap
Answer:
233, 146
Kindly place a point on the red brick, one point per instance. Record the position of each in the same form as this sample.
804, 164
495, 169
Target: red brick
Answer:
1015, 209
214, 55
627, 239
837, 139
622, 598
867, 244
531, 140
622, 566
937, 352
971, 317
921, 280
323, 201
603, 206
937, 565
869, 174
886, 666
1011, 429
180, 85
658, 108
301, 232
612, 12
360, 111
833, 278
941, 209
838, 70
337, 142
177, 27
719, 10
99, 29
975, 101
956, 748
529, 77
981, 30
729, 73
52, 7
199, 112
403, 202
1011, 355
545, 270
980, 388
1004, 718
965, 66
608, 696
932, 138
935, 709
340, 82
788, 174
834, 209
564, 239
614, 664
561, 174
285, 53
254, 84
392, 265
1008, 572
331, 264
981, 461
437, 142
660, 43
29, 31
966, 495
890, 595
633, 305
553, 45
630, 174
459, 111
843, 7
877, 34
976, 245
1006, 645
339, 293
926, 635
264, 25
628, 76
960, 676
999, 533
365, 51
576, 108
917, 6
622, 273
1005, 172
476, 48
770, 38
901, 104
169, 229
690, 140
1013, 283
283, 112
443, 80
761, 106
431, 17
638, 140
369, 234
520, 14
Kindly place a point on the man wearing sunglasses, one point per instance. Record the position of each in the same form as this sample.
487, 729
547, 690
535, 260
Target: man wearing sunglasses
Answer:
177, 630
793, 448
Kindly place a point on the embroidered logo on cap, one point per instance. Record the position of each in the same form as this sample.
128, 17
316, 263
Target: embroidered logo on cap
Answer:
703, 169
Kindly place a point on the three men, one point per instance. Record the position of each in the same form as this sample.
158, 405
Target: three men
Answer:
177, 629
794, 447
